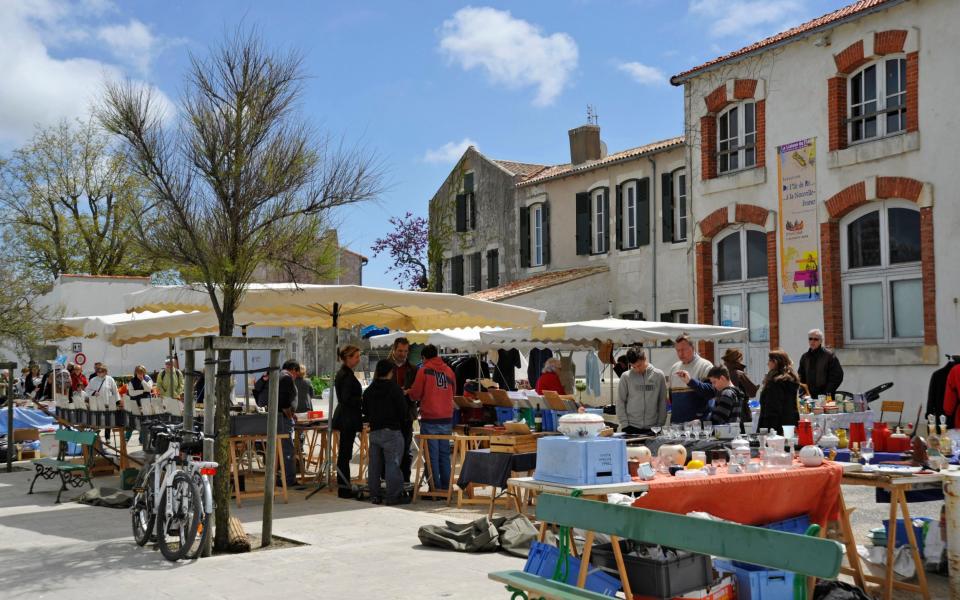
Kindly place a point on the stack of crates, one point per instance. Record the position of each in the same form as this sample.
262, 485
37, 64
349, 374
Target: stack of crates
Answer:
760, 583
542, 561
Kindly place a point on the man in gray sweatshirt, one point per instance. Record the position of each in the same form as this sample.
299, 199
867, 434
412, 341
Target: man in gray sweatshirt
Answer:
641, 395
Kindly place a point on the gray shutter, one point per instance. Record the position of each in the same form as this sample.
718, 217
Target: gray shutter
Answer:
545, 231
461, 212
606, 215
476, 274
583, 223
456, 274
524, 237
438, 276
619, 218
493, 268
666, 212
472, 197
643, 212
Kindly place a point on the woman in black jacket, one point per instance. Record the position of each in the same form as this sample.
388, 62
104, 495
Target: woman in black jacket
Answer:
778, 399
348, 416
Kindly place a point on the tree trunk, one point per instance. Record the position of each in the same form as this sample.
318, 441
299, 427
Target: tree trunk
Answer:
221, 483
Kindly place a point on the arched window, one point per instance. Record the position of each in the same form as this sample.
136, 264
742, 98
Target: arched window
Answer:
882, 281
737, 137
878, 99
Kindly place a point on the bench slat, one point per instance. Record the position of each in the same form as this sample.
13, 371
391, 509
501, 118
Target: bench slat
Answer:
58, 464
801, 554
84, 438
552, 590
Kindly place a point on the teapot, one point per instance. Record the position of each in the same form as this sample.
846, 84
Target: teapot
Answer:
880, 435
775, 442
811, 456
672, 452
740, 442
829, 440
807, 433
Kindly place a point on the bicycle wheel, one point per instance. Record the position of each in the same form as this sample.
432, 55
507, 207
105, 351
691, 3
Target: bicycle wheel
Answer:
204, 527
142, 515
176, 533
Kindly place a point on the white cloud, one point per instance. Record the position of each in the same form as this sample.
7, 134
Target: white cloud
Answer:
748, 18
643, 74
511, 51
37, 88
448, 153
132, 43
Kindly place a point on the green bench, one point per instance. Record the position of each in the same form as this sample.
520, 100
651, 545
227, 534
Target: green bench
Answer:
804, 555
72, 474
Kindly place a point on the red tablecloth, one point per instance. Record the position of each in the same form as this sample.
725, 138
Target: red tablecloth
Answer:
752, 498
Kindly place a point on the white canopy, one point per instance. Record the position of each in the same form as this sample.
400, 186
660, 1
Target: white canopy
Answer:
467, 339
345, 305
619, 331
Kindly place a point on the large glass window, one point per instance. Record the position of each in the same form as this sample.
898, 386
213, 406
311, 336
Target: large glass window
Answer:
729, 264
742, 252
878, 100
680, 206
883, 284
759, 316
599, 222
737, 137
630, 214
536, 226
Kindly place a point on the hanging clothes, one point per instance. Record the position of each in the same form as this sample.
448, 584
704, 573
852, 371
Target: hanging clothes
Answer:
508, 361
593, 373
568, 373
938, 387
538, 358
469, 367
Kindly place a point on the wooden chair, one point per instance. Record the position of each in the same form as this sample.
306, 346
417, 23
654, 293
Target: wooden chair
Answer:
892, 406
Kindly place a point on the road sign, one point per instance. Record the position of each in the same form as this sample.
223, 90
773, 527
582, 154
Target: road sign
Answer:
77, 347
80, 358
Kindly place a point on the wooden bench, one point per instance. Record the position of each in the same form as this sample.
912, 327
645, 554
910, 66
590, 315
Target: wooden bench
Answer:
805, 555
74, 474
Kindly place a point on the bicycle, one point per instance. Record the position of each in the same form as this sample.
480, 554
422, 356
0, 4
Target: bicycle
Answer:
167, 494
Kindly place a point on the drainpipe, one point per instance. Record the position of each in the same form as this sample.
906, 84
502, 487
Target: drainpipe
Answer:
653, 228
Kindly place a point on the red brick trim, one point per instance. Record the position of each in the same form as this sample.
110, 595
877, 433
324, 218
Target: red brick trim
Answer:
929, 277
716, 99
714, 223
703, 257
913, 93
847, 200
744, 88
751, 213
708, 142
889, 42
837, 112
760, 114
773, 292
899, 187
830, 284
850, 58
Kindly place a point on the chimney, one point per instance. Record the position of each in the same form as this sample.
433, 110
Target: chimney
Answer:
585, 144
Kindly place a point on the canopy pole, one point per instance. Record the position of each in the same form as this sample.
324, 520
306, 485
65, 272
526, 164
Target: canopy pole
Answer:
189, 384
246, 375
270, 461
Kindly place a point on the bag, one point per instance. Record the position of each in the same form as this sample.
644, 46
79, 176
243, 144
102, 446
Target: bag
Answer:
477, 536
838, 590
605, 352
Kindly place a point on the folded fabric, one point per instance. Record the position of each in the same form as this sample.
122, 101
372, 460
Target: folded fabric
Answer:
510, 534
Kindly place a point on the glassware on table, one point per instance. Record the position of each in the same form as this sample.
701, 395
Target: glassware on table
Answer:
699, 455
866, 451
708, 429
656, 430
719, 458
696, 428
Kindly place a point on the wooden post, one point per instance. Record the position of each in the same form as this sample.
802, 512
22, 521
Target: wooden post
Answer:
188, 385
209, 396
10, 367
270, 460
246, 376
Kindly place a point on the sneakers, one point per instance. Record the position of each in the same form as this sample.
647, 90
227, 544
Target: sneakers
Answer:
399, 501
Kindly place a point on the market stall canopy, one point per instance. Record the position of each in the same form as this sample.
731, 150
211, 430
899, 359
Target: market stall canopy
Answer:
347, 305
619, 331
465, 339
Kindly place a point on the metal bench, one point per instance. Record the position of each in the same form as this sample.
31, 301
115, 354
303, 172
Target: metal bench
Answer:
805, 555
70, 473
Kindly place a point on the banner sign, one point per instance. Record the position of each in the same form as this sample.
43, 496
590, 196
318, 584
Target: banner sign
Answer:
799, 235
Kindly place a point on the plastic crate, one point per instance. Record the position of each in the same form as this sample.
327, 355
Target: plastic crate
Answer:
918, 531
581, 461
758, 583
505, 414
798, 525
678, 573
594, 411
542, 561
551, 418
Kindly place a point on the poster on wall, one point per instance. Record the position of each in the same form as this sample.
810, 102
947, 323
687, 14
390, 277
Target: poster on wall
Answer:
799, 235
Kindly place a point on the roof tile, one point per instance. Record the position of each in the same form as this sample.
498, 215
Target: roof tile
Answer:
537, 282
568, 169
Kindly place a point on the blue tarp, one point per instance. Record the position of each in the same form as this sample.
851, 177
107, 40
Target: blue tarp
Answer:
27, 418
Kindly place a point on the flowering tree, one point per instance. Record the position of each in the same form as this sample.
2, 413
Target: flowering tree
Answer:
407, 247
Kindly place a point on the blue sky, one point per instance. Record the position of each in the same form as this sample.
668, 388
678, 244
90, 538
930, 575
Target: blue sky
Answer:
415, 81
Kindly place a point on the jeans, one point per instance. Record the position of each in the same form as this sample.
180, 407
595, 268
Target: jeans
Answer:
406, 460
439, 453
344, 455
386, 445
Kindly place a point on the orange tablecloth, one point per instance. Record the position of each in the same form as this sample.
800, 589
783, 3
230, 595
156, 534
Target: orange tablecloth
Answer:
752, 498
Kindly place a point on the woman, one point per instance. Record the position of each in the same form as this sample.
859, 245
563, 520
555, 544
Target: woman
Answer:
778, 398
104, 387
140, 387
385, 408
304, 390
31, 382
550, 379
348, 416
78, 381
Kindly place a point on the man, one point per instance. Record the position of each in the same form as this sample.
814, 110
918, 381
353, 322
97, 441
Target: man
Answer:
404, 374
433, 387
96, 367
304, 390
687, 404
641, 395
819, 368
170, 381
260, 390
286, 418
728, 399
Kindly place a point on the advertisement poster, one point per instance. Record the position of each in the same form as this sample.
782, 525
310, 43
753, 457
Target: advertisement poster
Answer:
799, 235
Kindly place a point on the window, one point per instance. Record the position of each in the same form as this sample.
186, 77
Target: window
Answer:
493, 268
878, 100
600, 205
742, 252
680, 206
456, 275
630, 215
476, 274
883, 291
536, 225
737, 137
742, 298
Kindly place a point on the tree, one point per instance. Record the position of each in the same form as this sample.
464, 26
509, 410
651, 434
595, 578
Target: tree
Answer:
239, 181
407, 247
70, 203
23, 322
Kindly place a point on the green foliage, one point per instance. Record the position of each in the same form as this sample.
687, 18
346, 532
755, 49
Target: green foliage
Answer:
319, 383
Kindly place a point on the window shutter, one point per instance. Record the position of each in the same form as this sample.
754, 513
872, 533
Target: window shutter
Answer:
583, 223
461, 212
438, 276
643, 212
476, 274
493, 268
472, 202
619, 218
666, 213
545, 231
524, 237
456, 274
666, 317
606, 215
468, 183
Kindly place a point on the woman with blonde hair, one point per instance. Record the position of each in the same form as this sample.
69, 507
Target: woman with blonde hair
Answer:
550, 379
140, 387
778, 398
348, 416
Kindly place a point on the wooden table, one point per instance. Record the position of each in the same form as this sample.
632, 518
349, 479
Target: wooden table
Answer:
239, 446
315, 435
898, 486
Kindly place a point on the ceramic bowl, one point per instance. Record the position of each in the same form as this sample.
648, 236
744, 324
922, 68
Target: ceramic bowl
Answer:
811, 456
581, 425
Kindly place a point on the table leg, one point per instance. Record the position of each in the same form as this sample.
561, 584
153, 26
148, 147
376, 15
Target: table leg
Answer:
283, 473
621, 568
542, 535
123, 451
891, 544
850, 543
235, 469
585, 560
912, 540
458, 449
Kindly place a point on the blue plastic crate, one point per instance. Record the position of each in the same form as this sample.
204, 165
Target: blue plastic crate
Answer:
594, 411
581, 461
758, 583
798, 525
505, 414
551, 418
902, 532
542, 561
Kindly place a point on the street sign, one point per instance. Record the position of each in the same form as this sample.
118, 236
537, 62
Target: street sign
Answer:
80, 358
77, 347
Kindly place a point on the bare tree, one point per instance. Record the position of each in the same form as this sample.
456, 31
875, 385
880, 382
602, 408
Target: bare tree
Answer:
242, 180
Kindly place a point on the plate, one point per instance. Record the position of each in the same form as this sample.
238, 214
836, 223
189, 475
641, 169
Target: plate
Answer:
898, 469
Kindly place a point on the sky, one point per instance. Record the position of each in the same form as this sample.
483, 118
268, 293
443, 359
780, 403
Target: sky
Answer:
416, 82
